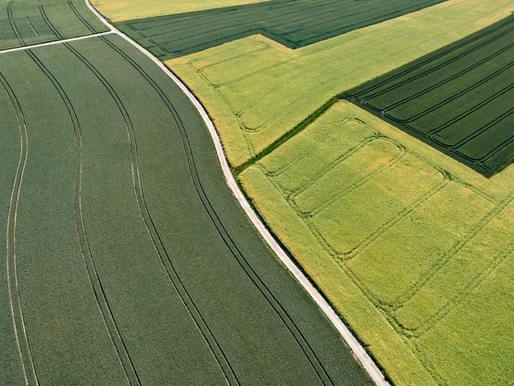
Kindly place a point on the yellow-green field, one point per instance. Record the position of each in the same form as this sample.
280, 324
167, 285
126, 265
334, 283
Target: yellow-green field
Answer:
413, 248
134, 9
256, 90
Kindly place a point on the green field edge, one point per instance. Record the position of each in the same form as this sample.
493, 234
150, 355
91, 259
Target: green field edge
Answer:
288, 135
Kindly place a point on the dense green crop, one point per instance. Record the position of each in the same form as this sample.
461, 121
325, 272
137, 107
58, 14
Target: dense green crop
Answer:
457, 99
129, 258
293, 23
32, 21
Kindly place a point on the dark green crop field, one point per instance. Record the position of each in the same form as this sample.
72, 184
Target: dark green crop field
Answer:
128, 260
25, 22
294, 23
457, 99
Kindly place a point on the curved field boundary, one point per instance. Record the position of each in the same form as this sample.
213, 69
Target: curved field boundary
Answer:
354, 344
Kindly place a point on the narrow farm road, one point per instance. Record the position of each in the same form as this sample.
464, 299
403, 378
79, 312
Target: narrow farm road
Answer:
29, 47
365, 360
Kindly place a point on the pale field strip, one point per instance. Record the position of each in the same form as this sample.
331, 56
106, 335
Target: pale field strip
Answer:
131, 9
366, 361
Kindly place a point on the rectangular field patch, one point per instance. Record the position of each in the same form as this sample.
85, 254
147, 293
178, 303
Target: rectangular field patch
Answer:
457, 99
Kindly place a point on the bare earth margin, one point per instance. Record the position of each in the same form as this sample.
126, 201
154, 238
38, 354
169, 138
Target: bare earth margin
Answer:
349, 338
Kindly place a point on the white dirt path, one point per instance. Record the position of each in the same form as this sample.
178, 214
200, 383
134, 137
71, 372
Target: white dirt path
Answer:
30, 46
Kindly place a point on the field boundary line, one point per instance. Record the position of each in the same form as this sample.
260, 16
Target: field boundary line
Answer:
288, 135
8, 50
363, 357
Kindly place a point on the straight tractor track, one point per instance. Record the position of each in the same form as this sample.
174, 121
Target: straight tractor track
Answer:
430, 59
457, 95
473, 66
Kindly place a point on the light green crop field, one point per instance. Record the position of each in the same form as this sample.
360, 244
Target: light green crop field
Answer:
412, 248
133, 9
256, 90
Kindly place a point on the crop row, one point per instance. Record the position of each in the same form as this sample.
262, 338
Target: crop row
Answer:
455, 99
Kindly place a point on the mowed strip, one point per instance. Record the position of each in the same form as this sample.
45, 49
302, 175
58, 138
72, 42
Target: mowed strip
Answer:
131, 9
175, 282
257, 90
292, 23
457, 99
407, 244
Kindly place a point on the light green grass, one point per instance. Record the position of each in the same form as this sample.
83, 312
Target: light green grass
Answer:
256, 90
133, 9
411, 247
